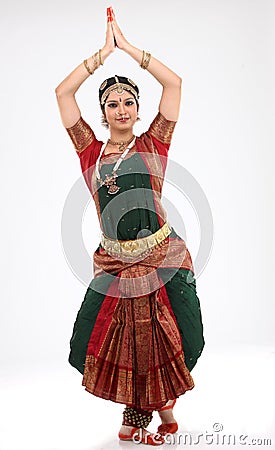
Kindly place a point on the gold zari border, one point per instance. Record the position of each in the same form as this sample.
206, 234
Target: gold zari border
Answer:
81, 134
138, 359
162, 128
135, 247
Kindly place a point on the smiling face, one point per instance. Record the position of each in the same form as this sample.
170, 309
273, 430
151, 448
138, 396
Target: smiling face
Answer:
121, 110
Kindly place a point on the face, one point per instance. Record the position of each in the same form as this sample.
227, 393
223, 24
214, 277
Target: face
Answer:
121, 110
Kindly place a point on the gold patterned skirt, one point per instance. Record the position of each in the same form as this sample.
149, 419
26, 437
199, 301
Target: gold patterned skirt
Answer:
134, 347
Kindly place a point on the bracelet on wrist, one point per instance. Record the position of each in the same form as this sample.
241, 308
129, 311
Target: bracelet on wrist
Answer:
87, 67
100, 57
146, 56
97, 61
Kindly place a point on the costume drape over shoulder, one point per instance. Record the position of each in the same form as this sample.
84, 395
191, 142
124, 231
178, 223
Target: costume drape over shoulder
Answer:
138, 332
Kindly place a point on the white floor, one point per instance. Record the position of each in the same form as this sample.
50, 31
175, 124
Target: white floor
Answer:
43, 408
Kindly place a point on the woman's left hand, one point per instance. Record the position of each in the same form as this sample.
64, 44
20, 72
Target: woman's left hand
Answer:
120, 40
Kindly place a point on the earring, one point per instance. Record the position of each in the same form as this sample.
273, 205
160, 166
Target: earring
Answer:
104, 122
138, 118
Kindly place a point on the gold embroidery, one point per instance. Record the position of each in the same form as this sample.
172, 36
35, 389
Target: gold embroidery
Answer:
162, 129
139, 360
81, 135
129, 249
173, 253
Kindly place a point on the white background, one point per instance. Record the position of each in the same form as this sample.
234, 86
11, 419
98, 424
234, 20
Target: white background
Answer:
224, 52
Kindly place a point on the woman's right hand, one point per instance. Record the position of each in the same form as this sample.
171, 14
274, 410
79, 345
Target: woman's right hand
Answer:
109, 45
65, 91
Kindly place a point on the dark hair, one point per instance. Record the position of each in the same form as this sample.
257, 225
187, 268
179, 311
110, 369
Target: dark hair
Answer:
118, 84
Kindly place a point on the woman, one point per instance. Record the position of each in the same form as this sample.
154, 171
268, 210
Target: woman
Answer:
138, 332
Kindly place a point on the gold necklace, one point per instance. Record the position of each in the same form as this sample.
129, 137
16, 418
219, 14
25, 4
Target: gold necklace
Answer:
122, 144
110, 180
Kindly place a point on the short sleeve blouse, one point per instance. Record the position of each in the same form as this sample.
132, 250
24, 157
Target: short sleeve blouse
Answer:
157, 138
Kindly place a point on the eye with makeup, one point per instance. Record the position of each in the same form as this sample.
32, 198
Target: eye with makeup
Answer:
112, 105
127, 103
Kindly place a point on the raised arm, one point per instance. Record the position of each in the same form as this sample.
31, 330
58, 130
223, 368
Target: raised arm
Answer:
171, 83
65, 91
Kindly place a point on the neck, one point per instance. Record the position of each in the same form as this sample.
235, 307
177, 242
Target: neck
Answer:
121, 136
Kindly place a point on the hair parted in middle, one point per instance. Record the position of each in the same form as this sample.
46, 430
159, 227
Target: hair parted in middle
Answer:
117, 84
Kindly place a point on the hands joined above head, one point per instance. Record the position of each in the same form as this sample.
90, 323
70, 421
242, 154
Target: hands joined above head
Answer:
114, 35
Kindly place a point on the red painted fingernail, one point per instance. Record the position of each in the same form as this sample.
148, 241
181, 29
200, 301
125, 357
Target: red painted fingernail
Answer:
109, 14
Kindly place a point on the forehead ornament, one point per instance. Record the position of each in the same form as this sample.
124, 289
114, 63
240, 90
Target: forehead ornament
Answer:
117, 87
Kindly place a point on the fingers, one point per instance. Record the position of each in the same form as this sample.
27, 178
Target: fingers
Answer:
115, 27
112, 13
111, 20
109, 31
119, 39
109, 42
109, 14
114, 22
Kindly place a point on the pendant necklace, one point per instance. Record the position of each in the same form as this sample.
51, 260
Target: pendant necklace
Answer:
110, 180
122, 144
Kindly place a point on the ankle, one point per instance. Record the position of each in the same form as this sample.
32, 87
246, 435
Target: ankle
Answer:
167, 416
126, 428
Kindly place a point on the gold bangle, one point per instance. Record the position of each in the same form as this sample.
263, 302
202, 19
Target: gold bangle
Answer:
97, 61
87, 67
143, 54
146, 60
100, 58
146, 56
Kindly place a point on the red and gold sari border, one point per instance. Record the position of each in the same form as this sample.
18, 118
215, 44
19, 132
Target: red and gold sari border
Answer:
126, 382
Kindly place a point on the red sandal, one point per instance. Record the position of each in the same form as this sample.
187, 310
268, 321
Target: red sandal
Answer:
148, 438
164, 408
166, 428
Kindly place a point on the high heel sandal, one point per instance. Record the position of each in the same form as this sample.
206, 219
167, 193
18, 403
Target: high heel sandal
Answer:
147, 439
166, 428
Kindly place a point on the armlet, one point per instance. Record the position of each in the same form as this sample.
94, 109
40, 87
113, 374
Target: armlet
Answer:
162, 129
81, 135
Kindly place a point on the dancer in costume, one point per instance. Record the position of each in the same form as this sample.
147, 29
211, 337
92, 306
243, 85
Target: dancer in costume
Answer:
138, 333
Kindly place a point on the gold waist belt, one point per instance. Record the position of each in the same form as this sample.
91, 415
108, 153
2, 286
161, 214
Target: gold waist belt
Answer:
135, 247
